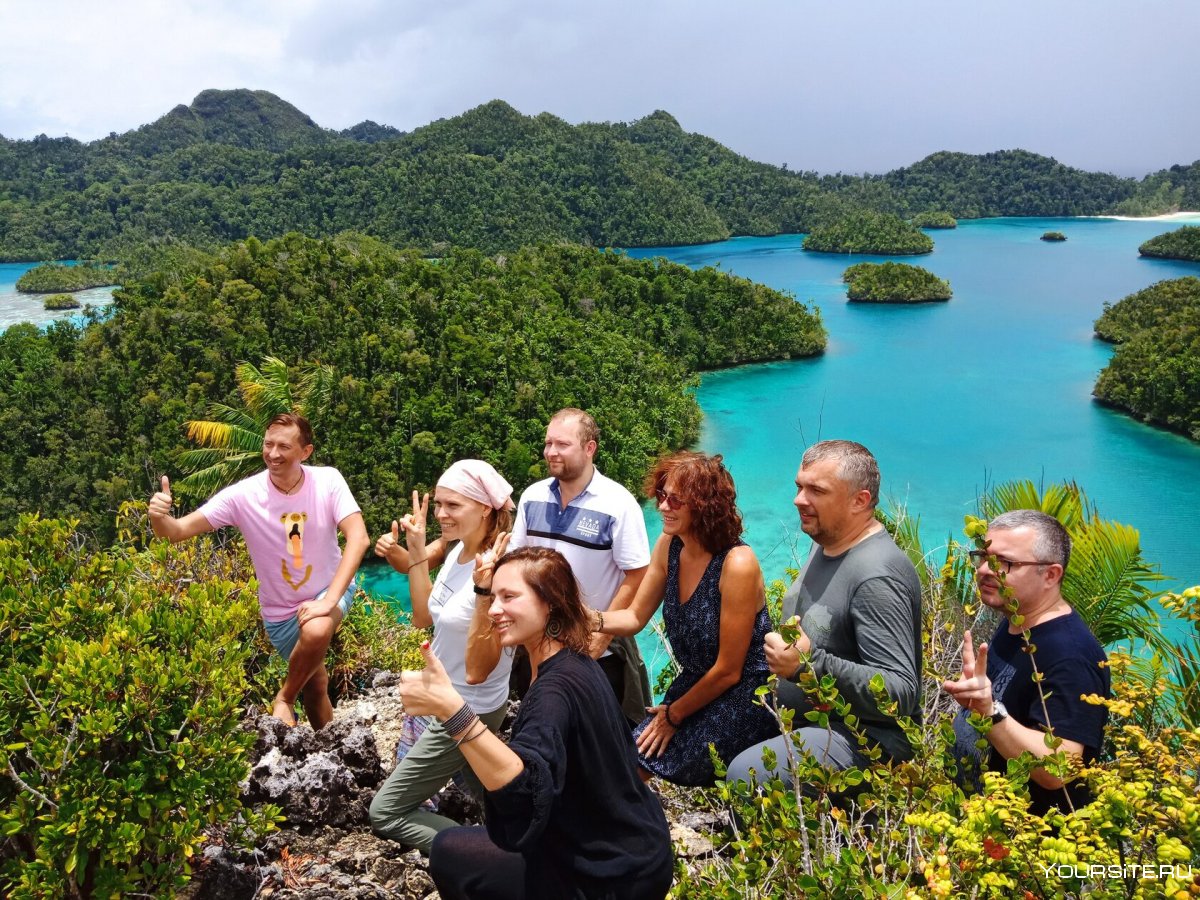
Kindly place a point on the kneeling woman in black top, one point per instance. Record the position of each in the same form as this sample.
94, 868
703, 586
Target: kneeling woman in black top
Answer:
567, 814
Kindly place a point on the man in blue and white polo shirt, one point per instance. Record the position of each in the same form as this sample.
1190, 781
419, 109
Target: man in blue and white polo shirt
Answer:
598, 526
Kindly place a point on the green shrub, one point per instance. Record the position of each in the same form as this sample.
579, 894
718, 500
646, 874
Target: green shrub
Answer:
61, 301
938, 219
55, 277
891, 282
120, 701
1183, 243
869, 232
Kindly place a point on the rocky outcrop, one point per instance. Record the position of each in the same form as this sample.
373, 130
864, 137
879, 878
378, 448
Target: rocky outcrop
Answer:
323, 782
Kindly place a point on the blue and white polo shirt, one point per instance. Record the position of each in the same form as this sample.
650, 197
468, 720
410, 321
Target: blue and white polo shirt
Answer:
601, 533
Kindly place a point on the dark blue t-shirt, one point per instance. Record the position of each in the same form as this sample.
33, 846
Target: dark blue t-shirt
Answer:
1069, 658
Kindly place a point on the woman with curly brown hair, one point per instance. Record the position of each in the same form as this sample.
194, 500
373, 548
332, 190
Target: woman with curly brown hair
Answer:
567, 814
714, 608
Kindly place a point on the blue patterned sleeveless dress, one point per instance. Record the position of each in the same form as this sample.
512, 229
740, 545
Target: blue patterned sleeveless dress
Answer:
732, 721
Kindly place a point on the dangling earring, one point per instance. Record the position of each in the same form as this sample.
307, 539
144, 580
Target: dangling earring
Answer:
553, 628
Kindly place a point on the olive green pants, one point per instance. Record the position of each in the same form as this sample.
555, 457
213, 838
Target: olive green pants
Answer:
396, 811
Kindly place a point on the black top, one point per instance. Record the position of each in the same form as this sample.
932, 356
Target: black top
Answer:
578, 812
1069, 658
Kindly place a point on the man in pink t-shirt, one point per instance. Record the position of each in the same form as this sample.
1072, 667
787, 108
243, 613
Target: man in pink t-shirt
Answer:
290, 516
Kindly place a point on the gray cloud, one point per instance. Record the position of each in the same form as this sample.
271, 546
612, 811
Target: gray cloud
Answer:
860, 85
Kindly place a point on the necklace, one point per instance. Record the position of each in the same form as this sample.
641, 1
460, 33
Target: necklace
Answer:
295, 484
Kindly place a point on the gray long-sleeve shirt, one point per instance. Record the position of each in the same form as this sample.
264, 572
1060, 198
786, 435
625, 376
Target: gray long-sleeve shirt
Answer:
862, 612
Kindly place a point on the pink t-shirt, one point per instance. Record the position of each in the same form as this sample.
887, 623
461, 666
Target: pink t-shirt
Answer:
292, 538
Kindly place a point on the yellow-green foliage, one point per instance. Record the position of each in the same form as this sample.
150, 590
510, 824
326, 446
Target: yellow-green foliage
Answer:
909, 831
120, 694
124, 678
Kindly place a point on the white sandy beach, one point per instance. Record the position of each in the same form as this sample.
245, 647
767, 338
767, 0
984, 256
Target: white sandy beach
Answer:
1166, 217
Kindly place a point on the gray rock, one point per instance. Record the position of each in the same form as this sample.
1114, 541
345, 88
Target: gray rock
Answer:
385, 680
688, 843
273, 776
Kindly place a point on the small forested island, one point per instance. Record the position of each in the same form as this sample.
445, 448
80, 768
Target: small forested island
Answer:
434, 360
61, 301
56, 278
1054, 236
882, 234
1182, 243
934, 219
891, 282
1155, 371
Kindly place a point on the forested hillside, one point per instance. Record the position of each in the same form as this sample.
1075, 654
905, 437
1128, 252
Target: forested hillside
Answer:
434, 361
1008, 183
240, 163
1155, 372
1182, 243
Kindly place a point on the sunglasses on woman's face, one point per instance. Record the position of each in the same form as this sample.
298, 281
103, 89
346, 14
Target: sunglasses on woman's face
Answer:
673, 501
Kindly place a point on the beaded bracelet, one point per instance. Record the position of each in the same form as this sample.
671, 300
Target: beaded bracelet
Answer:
460, 721
667, 713
478, 733
599, 629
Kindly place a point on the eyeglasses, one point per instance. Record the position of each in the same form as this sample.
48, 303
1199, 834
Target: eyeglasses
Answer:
1001, 563
673, 501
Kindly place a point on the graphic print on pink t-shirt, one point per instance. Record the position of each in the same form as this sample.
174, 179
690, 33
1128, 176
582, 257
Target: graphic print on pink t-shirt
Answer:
293, 524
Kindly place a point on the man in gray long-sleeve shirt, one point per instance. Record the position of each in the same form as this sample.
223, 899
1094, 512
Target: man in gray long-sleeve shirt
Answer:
859, 603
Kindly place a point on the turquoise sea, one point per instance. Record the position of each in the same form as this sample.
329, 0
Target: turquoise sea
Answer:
15, 307
951, 397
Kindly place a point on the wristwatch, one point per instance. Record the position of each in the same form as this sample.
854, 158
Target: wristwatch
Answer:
999, 712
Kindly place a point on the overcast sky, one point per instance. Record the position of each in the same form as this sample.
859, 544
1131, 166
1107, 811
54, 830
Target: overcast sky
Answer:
835, 85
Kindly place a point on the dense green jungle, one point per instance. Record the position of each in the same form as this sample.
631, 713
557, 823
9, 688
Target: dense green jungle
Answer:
433, 360
1155, 371
240, 163
1182, 243
891, 282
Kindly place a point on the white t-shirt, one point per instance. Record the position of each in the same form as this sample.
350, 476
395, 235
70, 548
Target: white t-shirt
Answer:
452, 605
292, 538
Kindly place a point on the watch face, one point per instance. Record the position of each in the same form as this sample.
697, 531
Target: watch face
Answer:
999, 711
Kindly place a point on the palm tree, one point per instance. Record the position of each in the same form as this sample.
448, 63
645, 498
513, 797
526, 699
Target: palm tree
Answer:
230, 440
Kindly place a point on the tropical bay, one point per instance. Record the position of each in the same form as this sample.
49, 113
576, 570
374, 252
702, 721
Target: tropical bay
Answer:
993, 386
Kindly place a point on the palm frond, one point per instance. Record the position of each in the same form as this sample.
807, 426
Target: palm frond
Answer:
1065, 501
315, 390
231, 415
230, 440
209, 480
266, 391
220, 436
1108, 581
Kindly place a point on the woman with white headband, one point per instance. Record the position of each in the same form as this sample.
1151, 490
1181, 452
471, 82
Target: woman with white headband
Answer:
474, 510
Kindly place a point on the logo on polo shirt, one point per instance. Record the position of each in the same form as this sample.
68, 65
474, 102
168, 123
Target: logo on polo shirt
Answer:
589, 525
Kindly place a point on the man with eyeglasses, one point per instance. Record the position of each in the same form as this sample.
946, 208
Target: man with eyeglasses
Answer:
598, 526
1028, 551
858, 601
